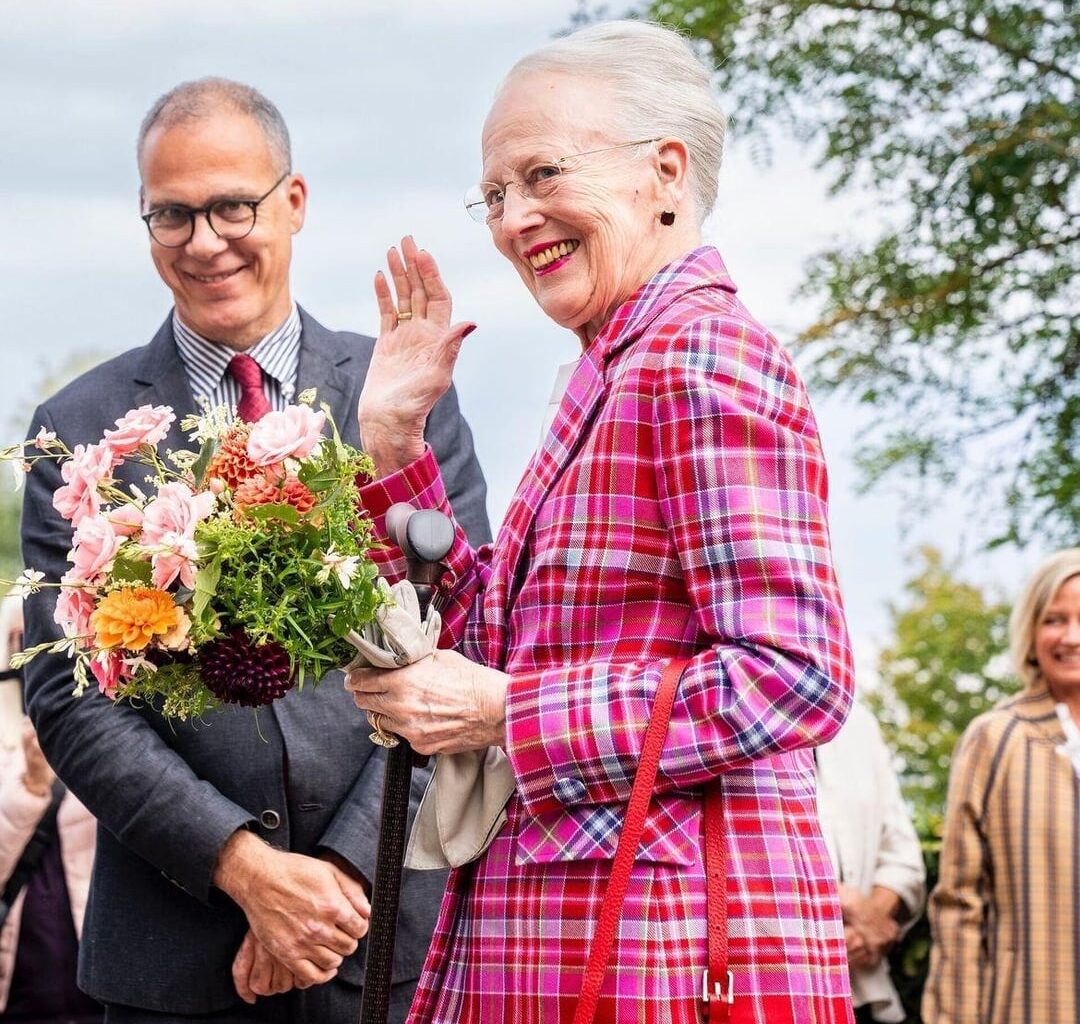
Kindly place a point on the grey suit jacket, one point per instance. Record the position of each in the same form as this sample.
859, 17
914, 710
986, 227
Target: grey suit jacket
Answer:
302, 773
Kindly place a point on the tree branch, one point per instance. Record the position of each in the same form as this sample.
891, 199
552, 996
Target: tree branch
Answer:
966, 31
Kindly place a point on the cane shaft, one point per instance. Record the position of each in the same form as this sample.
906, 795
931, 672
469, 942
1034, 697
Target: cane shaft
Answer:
386, 886
386, 890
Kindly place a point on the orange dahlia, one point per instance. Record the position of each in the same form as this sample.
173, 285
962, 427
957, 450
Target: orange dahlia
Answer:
257, 490
132, 617
230, 462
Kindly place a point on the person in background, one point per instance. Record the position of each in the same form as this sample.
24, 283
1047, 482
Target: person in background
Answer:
41, 929
1005, 915
877, 857
675, 510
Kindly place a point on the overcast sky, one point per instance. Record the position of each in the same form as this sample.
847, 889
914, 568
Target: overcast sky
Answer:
384, 100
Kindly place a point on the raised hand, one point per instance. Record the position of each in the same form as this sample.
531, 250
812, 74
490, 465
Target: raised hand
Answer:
414, 357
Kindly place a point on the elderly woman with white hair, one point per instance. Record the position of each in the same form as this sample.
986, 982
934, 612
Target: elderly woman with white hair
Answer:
1005, 915
671, 528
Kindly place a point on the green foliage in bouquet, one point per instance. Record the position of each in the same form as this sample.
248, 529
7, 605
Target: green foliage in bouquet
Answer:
238, 579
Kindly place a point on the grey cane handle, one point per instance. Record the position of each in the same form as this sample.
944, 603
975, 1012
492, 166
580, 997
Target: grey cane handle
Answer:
424, 535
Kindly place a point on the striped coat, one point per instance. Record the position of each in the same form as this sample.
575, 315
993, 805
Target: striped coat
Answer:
1006, 912
676, 507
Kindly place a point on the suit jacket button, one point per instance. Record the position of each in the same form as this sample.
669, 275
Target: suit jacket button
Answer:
270, 819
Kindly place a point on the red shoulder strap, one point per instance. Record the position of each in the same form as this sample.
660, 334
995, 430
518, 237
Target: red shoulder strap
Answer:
716, 988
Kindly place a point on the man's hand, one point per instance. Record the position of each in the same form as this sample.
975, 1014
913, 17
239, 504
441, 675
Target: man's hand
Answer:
872, 920
308, 914
256, 973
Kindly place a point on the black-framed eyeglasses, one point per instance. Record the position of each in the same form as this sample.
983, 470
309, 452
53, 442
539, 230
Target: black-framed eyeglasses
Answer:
484, 202
232, 219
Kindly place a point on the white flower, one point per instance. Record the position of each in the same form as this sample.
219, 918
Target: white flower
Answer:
212, 425
182, 459
43, 438
29, 582
344, 567
19, 469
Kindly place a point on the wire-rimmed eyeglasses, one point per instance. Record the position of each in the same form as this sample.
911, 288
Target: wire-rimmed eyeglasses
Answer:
231, 219
484, 202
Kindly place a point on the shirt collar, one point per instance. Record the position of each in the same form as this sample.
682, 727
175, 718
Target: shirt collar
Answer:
277, 353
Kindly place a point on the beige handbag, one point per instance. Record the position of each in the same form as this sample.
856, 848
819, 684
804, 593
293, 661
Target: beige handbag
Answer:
464, 804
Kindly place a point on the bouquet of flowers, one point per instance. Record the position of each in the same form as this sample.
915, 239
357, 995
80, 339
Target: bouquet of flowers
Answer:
236, 574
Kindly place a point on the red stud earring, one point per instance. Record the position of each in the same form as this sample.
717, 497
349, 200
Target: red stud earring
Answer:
667, 218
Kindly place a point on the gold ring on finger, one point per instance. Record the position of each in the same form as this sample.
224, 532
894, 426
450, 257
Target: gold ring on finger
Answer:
380, 736
403, 315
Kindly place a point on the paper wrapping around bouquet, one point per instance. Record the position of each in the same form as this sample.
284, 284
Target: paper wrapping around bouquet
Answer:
464, 805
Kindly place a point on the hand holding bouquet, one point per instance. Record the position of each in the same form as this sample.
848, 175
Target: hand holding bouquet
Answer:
237, 577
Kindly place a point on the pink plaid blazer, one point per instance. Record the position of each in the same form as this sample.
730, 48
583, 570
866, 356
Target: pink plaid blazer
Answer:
677, 507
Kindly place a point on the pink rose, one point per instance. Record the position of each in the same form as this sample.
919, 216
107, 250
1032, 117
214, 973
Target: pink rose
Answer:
125, 519
94, 547
73, 609
148, 424
88, 466
176, 509
176, 557
292, 433
109, 671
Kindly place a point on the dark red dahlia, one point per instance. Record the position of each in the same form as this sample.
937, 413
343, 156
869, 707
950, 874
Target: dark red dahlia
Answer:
237, 671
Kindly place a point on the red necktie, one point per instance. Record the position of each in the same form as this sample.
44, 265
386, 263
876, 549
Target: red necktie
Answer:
253, 404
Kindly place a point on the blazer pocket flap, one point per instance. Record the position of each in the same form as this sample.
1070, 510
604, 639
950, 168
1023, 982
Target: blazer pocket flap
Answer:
670, 835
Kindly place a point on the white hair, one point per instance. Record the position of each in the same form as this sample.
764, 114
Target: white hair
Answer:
659, 86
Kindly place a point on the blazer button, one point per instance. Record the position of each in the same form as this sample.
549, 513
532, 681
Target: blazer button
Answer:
270, 819
570, 790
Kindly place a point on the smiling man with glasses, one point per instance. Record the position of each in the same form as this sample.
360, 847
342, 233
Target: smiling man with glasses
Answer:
231, 872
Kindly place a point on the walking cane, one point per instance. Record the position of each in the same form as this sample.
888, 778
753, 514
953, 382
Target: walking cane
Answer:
425, 536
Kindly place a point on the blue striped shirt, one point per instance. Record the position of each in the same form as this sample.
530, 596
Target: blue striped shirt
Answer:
206, 363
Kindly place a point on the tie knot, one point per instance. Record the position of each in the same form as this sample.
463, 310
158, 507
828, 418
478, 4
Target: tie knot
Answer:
245, 371
253, 404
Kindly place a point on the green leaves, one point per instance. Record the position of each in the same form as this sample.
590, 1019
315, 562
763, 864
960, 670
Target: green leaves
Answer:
206, 581
282, 513
202, 463
944, 665
959, 322
131, 569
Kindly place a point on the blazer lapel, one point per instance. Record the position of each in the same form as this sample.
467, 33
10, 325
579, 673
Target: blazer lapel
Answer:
160, 379
324, 363
1039, 709
579, 404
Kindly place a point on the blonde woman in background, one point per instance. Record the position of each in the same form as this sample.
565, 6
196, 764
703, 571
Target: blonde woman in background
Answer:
39, 938
1006, 912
